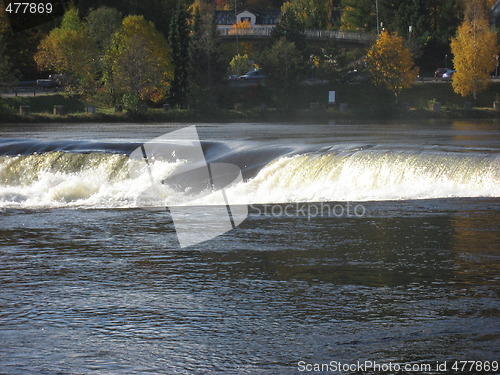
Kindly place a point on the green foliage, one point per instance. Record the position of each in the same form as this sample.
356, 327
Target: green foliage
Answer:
291, 28
358, 15
283, 65
69, 51
239, 64
137, 62
179, 44
207, 64
101, 24
131, 103
7, 71
72, 21
310, 13
329, 63
157, 11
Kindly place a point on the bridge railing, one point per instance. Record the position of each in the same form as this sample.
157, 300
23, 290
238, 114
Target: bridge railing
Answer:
337, 34
310, 34
245, 32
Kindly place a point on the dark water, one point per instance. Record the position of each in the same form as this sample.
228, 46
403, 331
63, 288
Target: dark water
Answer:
109, 291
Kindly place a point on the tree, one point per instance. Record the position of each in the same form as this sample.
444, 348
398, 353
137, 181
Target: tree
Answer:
358, 15
239, 64
283, 65
474, 50
7, 71
391, 64
207, 64
311, 13
291, 28
4, 21
179, 44
331, 63
101, 24
137, 61
69, 51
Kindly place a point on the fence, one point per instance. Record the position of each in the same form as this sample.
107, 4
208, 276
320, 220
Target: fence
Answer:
350, 36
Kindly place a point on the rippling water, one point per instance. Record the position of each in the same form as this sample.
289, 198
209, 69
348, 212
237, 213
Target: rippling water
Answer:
109, 291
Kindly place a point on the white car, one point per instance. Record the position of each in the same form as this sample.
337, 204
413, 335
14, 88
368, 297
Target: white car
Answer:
448, 74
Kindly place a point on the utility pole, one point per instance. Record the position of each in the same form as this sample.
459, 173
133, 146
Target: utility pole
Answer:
237, 30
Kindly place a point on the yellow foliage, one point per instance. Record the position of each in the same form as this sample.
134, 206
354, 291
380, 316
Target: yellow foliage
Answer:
67, 50
391, 63
242, 25
138, 60
474, 50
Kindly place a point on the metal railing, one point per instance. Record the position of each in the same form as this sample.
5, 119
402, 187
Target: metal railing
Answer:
310, 34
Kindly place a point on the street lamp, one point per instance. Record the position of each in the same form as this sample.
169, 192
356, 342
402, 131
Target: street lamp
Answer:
376, 8
445, 60
496, 69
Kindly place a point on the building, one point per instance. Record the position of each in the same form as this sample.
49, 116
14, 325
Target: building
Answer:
225, 19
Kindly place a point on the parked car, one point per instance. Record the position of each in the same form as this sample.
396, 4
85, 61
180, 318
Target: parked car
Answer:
355, 76
46, 83
439, 73
448, 74
255, 75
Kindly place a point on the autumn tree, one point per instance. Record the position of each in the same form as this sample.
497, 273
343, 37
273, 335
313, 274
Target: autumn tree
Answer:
391, 64
474, 50
139, 68
69, 51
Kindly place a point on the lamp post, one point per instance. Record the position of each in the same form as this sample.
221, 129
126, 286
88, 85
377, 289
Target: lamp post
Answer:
376, 10
496, 69
237, 30
445, 60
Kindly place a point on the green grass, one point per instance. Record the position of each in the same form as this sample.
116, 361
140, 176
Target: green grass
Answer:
364, 102
46, 103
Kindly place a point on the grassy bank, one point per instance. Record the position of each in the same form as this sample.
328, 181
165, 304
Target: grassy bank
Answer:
364, 101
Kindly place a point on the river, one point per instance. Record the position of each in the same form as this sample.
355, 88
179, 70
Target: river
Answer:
354, 242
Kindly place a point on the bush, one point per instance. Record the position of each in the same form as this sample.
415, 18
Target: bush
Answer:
6, 109
131, 103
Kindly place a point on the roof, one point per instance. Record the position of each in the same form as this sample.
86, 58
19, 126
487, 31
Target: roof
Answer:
264, 17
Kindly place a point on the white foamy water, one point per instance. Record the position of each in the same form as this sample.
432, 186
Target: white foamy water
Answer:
102, 180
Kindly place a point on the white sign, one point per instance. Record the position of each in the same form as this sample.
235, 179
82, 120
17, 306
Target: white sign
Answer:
331, 97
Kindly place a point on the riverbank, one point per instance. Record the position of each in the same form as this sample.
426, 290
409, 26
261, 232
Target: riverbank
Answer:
354, 102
